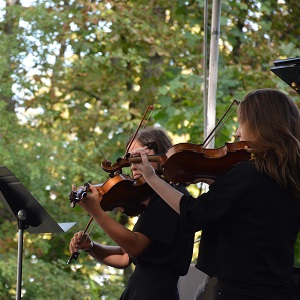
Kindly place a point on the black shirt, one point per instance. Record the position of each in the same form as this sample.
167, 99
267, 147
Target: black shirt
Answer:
171, 248
249, 227
168, 256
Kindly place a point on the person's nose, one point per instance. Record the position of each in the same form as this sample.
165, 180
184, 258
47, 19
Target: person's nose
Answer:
133, 168
238, 133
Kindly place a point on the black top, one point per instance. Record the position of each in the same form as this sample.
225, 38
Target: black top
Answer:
250, 226
167, 257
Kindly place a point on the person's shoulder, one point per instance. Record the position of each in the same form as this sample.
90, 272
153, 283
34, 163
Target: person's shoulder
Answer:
244, 169
181, 188
248, 165
158, 207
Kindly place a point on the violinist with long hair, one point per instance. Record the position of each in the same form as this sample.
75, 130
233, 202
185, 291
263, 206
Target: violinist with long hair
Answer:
250, 217
159, 249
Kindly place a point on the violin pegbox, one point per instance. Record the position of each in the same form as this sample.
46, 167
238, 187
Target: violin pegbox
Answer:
78, 195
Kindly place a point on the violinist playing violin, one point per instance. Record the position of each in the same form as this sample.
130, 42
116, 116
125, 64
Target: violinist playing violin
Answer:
250, 217
157, 246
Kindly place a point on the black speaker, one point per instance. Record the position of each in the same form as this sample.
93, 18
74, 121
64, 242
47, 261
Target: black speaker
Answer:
289, 71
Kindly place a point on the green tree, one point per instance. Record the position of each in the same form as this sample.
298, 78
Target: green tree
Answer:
76, 77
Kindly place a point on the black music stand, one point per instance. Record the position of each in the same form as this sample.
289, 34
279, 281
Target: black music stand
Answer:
29, 213
289, 71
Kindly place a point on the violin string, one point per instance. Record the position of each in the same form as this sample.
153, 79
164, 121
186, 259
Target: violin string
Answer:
220, 124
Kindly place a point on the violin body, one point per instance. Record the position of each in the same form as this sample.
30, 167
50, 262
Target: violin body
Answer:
189, 163
123, 191
118, 191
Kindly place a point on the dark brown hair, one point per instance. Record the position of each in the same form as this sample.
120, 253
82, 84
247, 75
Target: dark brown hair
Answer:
156, 139
274, 121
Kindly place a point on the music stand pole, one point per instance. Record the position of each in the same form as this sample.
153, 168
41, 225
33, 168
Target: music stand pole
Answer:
22, 216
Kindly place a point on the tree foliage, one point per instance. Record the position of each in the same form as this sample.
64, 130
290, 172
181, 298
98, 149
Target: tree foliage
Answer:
75, 79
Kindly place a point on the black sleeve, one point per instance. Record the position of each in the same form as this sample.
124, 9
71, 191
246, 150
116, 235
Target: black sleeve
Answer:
218, 203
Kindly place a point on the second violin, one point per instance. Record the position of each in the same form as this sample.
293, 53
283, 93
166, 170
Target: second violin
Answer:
118, 191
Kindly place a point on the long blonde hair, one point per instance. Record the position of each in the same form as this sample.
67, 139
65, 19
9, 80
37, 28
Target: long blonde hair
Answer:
274, 120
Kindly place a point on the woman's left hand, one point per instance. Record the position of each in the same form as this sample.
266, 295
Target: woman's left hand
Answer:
91, 203
144, 166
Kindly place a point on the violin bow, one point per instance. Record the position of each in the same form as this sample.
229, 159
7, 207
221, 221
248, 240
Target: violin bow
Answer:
76, 254
216, 129
149, 108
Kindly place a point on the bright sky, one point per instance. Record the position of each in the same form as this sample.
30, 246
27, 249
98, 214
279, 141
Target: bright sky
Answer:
23, 2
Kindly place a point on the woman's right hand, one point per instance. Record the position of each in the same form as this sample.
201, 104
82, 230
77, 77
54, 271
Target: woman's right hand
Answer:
80, 241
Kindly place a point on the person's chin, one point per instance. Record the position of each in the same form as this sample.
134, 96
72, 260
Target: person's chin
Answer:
136, 175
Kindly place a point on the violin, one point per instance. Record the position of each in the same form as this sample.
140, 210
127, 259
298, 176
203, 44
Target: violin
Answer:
189, 163
118, 191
